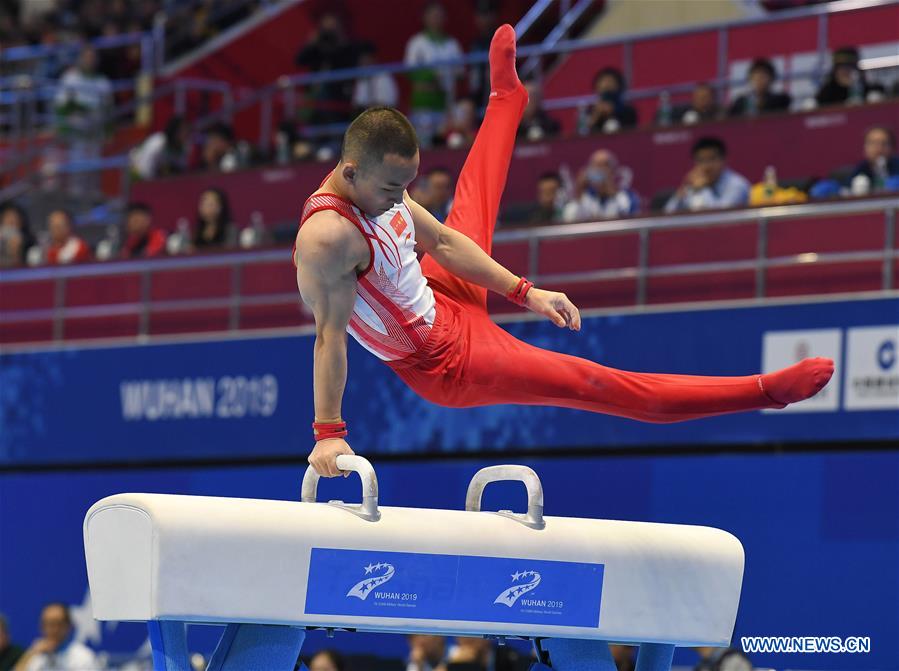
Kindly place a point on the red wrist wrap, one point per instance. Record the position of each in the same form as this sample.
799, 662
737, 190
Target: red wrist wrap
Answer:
325, 430
519, 294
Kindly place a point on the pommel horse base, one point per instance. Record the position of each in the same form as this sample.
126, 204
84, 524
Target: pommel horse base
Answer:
270, 570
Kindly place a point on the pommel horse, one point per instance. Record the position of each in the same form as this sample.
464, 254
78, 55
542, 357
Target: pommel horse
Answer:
271, 570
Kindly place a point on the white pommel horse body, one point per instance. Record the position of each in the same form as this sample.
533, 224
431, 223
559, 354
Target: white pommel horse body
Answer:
270, 570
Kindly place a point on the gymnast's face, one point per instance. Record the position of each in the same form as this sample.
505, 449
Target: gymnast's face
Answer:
378, 187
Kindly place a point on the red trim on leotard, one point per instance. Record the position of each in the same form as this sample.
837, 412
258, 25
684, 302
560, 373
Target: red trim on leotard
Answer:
331, 201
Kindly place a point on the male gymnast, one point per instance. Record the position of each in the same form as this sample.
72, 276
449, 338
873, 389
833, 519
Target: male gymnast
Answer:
373, 263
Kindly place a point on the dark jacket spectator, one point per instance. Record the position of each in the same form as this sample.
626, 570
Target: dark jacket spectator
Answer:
548, 208
213, 219
142, 239
219, 149
846, 81
329, 49
163, 153
610, 111
536, 124
486, 23
761, 98
881, 162
9, 651
15, 235
703, 107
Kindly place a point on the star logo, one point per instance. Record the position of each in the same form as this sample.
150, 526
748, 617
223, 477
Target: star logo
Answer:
511, 595
363, 588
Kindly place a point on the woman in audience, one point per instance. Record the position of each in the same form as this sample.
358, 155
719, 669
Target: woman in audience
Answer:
15, 235
213, 220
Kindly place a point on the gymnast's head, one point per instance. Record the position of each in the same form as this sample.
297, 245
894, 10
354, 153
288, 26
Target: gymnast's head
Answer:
379, 159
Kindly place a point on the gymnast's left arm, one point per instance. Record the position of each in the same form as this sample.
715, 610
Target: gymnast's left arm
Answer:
460, 255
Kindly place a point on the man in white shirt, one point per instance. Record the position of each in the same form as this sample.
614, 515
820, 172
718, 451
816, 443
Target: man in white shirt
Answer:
433, 89
599, 191
710, 184
378, 90
55, 651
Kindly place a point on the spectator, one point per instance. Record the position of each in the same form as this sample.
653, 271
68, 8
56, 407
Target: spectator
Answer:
213, 220
610, 112
722, 659
436, 194
710, 184
219, 150
432, 89
163, 153
9, 651
64, 246
881, 164
142, 239
761, 98
703, 107
478, 654
536, 124
846, 82
378, 90
329, 49
550, 197
327, 660
55, 650
15, 235
461, 127
599, 192
426, 653
623, 655
486, 23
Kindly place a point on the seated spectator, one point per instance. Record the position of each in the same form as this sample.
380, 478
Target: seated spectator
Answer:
760, 99
435, 194
722, 659
624, 657
213, 220
142, 239
486, 22
64, 246
710, 184
550, 197
328, 49
9, 651
461, 126
219, 150
327, 660
426, 652
881, 164
536, 124
599, 192
15, 236
378, 90
55, 650
432, 89
163, 153
610, 112
703, 107
846, 82
479, 654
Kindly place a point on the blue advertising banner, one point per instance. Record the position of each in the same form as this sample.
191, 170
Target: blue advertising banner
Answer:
450, 587
246, 398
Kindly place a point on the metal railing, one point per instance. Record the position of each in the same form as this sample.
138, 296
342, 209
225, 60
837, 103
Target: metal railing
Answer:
642, 272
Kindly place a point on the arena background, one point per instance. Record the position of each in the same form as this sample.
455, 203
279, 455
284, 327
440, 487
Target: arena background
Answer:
189, 370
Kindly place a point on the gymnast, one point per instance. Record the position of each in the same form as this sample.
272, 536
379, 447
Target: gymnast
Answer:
374, 263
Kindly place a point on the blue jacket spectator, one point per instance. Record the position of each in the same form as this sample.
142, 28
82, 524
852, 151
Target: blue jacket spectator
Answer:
710, 184
881, 162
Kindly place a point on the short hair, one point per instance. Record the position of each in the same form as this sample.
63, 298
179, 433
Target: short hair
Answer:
613, 72
20, 211
222, 130
336, 658
765, 65
377, 132
136, 206
439, 170
709, 143
65, 610
550, 175
67, 213
891, 136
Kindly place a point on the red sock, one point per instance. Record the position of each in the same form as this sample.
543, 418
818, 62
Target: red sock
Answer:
797, 382
503, 77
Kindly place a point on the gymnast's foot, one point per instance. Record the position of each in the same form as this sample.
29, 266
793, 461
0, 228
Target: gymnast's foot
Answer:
797, 382
503, 77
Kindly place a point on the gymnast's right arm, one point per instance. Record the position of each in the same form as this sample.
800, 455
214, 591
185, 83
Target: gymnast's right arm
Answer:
329, 252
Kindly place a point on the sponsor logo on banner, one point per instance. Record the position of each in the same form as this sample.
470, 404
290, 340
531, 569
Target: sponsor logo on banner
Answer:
453, 587
872, 368
784, 348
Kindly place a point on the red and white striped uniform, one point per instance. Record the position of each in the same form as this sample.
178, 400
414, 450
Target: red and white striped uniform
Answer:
395, 308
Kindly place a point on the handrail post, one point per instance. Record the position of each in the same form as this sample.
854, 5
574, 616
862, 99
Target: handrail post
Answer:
761, 258
234, 315
143, 328
533, 257
59, 300
889, 242
643, 267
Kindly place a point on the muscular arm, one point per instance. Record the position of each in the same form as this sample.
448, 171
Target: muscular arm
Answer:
329, 251
463, 257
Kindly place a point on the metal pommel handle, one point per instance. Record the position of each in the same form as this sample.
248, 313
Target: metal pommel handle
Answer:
534, 516
368, 509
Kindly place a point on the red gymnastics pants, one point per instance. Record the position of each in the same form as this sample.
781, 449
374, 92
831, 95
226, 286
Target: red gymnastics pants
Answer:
469, 361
